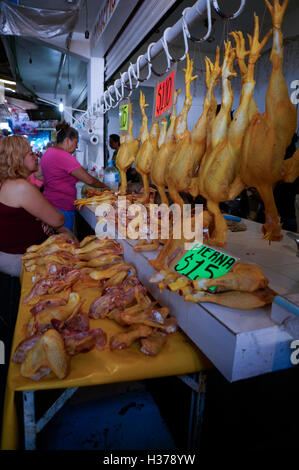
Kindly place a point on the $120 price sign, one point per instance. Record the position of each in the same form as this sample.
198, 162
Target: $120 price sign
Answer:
203, 262
164, 95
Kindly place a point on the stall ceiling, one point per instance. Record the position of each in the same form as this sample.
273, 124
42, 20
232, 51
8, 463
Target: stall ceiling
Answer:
38, 62
221, 29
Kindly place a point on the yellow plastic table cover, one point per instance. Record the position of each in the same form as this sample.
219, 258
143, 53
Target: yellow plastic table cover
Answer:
178, 356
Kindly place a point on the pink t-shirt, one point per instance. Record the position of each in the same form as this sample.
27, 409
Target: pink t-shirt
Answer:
59, 184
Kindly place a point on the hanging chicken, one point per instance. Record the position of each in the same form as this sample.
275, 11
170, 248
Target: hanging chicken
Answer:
165, 153
126, 154
201, 134
269, 135
148, 149
173, 176
220, 166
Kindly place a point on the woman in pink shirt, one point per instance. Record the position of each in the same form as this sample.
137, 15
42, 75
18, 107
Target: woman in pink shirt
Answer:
61, 171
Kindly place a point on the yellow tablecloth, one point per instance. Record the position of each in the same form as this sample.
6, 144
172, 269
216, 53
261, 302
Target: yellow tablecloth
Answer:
179, 356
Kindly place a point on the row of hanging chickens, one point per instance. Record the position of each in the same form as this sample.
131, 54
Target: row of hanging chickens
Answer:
222, 156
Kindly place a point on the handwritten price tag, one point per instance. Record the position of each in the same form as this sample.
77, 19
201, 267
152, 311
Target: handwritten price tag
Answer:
123, 117
164, 96
203, 262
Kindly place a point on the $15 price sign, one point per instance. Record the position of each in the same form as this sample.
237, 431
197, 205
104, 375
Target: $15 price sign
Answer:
203, 262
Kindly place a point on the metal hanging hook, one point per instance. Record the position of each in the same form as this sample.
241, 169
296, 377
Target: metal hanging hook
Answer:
131, 71
149, 72
210, 25
150, 60
165, 46
111, 90
224, 15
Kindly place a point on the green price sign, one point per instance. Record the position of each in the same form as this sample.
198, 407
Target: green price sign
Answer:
123, 117
203, 262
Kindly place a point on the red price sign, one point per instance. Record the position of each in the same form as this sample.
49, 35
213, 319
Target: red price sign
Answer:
164, 94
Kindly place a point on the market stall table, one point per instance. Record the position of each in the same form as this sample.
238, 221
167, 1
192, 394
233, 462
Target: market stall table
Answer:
96, 367
241, 344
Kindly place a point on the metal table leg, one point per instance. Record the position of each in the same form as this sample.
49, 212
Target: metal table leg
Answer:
29, 420
31, 427
197, 383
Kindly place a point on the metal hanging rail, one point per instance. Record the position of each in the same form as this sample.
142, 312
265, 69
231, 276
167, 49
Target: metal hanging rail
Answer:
116, 92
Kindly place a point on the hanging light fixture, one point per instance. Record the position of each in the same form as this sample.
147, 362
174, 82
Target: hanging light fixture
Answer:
61, 107
68, 73
86, 21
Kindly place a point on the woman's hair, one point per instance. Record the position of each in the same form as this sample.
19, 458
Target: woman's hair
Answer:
13, 150
64, 130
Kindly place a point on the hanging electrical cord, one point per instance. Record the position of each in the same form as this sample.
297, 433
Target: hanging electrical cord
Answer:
134, 70
86, 21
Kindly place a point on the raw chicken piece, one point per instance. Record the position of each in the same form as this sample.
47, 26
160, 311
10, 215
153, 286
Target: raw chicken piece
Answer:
234, 299
115, 297
81, 342
42, 320
47, 355
153, 344
242, 277
173, 247
52, 285
127, 338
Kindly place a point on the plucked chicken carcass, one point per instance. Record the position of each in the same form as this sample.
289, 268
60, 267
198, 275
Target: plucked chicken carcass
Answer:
149, 148
234, 299
269, 135
242, 277
202, 132
173, 247
191, 148
173, 174
221, 163
126, 154
245, 287
165, 153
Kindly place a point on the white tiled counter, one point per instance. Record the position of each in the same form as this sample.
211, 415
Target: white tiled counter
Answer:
240, 343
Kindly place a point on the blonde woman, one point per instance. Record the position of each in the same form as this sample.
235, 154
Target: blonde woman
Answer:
23, 208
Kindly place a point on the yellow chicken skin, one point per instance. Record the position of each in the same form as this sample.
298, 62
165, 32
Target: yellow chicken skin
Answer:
148, 149
173, 175
165, 153
126, 154
220, 166
269, 134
